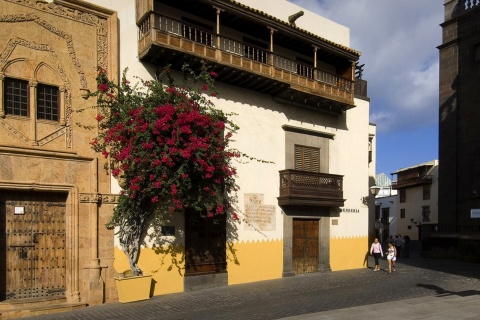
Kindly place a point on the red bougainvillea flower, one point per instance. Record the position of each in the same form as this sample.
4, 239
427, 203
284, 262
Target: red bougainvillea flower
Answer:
102, 87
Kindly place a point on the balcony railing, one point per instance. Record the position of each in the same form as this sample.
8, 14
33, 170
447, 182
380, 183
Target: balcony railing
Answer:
412, 182
155, 28
304, 188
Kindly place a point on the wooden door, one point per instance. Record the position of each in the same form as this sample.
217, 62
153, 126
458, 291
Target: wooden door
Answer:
32, 237
205, 244
305, 245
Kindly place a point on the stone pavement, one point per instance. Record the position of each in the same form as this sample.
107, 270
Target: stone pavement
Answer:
419, 289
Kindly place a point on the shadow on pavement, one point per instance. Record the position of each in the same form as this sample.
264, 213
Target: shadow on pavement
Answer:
452, 266
443, 292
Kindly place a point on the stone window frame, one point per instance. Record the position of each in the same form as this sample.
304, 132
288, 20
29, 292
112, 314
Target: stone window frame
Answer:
32, 99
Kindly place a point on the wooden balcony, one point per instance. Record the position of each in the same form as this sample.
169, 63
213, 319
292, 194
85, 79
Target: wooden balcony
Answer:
412, 182
301, 188
163, 40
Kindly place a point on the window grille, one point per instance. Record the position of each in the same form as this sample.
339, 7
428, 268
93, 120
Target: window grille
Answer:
47, 102
16, 97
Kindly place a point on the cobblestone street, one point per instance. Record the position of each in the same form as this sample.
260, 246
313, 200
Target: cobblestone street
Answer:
301, 295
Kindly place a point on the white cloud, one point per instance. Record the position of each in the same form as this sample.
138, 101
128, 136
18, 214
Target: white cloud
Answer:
398, 41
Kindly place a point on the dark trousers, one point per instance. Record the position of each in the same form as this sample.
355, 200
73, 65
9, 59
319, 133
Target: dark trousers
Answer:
376, 255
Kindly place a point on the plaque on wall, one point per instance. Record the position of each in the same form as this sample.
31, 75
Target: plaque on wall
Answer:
258, 215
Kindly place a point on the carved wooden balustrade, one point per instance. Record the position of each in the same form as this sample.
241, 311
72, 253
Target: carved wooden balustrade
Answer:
304, 188
156, 31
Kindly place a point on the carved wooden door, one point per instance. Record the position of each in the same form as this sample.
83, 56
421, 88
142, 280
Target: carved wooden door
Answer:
305, 245
32, 237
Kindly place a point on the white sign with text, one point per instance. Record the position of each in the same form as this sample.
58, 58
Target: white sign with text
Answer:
475, 213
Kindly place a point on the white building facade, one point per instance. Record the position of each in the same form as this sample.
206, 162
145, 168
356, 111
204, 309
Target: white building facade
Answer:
285, 108
417, 199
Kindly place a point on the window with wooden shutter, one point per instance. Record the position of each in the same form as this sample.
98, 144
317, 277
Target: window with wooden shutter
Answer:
307, 158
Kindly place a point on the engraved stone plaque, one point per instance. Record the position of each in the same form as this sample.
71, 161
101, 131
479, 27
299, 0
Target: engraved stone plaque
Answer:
258, 216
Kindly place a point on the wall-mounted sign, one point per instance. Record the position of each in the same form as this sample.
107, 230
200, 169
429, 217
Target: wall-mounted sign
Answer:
475, 213
19, 210
350, 210
258, 216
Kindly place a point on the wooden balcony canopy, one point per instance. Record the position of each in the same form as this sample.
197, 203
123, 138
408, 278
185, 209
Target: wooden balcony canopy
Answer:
302, 188
250, 60
412, 182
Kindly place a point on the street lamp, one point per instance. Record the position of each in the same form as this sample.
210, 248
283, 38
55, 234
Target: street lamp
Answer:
374, 190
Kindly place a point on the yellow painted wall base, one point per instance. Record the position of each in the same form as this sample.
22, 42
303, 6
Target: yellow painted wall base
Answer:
166, 266
254, 261
348, 253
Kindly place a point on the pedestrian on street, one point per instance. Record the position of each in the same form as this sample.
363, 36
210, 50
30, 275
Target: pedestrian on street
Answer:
391, 257
376, 251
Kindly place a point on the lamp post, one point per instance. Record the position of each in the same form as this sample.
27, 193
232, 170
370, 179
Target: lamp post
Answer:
374, 190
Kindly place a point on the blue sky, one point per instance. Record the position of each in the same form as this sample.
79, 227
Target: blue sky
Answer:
398, 41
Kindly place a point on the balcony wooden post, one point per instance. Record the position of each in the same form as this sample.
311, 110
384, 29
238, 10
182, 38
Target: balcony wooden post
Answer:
270, 59
217, 29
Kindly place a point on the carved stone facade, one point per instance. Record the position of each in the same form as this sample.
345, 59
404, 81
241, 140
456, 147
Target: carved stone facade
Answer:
58, 46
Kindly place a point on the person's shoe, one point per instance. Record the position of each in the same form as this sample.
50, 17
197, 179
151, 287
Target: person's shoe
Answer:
394, 270
374, 269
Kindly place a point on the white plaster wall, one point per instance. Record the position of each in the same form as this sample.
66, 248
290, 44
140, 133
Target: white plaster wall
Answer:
349, 157
312, 22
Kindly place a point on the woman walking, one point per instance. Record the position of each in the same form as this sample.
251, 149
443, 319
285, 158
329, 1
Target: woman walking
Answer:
391, 257
376, 251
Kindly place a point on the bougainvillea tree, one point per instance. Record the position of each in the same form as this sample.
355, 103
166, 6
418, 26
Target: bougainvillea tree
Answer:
168, 146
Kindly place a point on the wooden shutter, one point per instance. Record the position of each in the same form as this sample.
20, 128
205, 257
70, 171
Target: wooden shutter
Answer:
307, 158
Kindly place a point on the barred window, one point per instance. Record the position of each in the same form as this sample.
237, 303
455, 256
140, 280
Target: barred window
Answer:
47, 102
307, 158
16, 97
403, 196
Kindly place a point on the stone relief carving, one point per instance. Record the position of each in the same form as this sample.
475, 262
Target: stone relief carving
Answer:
98, 198
102, 44
44, 47
99, 22
13, 131
7, 51
52, 136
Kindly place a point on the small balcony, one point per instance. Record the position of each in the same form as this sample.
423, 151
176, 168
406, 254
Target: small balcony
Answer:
165, 40
412, 182
301, 188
